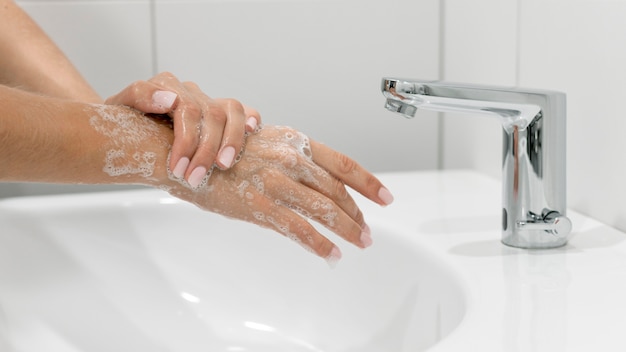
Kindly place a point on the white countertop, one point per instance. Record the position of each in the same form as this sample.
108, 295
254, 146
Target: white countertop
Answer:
566, 299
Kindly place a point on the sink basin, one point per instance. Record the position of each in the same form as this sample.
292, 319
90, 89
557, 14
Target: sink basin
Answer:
140, 271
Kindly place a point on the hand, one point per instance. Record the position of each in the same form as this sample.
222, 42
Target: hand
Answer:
283, 175
206, 130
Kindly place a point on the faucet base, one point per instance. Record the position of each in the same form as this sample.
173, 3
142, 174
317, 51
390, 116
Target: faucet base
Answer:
543, 240
550, 229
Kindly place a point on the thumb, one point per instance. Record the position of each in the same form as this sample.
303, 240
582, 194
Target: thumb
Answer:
145, 97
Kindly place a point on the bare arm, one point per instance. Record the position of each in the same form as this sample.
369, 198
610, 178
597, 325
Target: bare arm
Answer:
281, 176
31, 61
53, 129
207, 130
47, 139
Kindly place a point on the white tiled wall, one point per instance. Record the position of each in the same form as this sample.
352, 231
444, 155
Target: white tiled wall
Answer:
109, 41
312, 64
479, 47
578, 47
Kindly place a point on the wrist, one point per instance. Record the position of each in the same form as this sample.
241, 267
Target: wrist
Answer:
135, 148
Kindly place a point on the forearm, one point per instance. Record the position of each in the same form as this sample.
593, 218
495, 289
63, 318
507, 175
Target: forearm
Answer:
31, 61
44, 139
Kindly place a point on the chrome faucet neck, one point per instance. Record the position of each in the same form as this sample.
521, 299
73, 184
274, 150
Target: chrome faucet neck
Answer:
533, 121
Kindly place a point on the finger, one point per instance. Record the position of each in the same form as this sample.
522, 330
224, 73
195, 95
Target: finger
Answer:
253, 118
234, 129
146, 97
314, 205
351, 173
209, 136
186, 116
293, 226
266, 212
188, 129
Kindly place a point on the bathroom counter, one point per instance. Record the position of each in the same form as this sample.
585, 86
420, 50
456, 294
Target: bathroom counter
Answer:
566, 299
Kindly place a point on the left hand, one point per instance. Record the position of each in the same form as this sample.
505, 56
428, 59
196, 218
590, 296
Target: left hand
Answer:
283, 179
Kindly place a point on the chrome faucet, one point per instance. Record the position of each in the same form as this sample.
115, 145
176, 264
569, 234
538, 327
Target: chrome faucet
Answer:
533, 121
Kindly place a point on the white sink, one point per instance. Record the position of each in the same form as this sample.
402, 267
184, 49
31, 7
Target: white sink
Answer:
140, 271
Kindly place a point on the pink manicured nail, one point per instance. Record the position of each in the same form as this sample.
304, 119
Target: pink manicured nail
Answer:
366, 237
333, 258
196, 177
181, 166
385, 195
227, 156
163, 99
251, 124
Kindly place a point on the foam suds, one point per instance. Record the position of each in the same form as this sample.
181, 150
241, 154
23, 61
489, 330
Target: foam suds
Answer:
241, 189
117, 163
120, 125
260, 216
125, 133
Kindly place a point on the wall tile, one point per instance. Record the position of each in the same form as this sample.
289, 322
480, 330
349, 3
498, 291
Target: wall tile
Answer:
579, 47
480, 46
313, 65
109, 42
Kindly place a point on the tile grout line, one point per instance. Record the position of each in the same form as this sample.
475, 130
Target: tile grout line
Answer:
441, 74
153, 38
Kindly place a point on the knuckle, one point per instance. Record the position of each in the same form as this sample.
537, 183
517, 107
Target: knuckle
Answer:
339, 191
217, 114
166, 75
136, 87
233, 105
358, 217
163, 78
346, 165
191, 85
221, 114
193, 110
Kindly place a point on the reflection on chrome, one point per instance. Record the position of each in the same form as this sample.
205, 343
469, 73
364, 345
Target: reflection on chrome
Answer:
533, 121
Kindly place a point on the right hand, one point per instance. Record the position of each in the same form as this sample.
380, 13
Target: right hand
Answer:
206, 130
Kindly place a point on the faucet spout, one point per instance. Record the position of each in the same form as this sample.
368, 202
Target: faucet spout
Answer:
533, 121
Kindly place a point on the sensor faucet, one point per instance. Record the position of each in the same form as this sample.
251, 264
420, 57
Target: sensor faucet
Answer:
533, 165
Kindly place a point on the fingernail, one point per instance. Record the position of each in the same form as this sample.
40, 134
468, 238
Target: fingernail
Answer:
164, 99
181, 166
366, 236
196, 177
227, 155
385, 196
252, 124
333, 258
